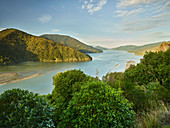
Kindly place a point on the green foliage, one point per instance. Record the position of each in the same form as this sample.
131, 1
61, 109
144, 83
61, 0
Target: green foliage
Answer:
114, 79
159, 91
98, 105
72, 43
66, 83
143, 97
154, 67
20, 108
17, 46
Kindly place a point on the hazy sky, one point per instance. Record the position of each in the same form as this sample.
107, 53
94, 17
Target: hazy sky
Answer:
108, 23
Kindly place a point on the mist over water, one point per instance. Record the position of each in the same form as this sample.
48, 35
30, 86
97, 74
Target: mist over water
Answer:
101, 64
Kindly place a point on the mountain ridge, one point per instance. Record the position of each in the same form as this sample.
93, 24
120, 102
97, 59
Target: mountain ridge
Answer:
71, 42
17, 46
140, 50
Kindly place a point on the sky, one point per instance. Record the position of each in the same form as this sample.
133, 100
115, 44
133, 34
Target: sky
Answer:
107, 23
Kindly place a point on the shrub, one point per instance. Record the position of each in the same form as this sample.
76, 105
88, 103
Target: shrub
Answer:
66, 83
21, 108
151, 70
134, 93
159, 91
155, 118
114, 79
98, 105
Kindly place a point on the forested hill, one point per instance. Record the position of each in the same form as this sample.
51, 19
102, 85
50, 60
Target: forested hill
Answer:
17, 46
72, 42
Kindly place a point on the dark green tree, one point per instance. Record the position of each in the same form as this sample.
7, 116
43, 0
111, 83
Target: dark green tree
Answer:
97, 105
21, 108
65, 85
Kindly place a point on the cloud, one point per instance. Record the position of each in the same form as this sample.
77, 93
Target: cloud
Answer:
83, 7
162, 7
167, 5
165, 15
122, 13
45, 18
89, 6
2, 29
158, 35
126, 3
85, 2
55, 30
153, 14
147, 23
93, 7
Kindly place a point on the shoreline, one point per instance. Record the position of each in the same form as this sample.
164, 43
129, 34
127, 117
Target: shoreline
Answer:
6, 78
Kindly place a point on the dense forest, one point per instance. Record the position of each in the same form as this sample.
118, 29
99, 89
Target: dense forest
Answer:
17, 46
138, 97
72, 43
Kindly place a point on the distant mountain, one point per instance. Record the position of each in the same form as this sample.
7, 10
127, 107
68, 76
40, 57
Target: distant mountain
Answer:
126, 48
101, 48
17, 46
72, 43
139, 50
151, 47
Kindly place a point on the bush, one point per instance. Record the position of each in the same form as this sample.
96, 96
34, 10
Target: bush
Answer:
151, 70
159, 91
21, 108
66, 83
98, 105
114, 79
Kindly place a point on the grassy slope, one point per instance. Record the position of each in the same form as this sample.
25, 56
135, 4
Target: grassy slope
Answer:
17, 46
72, 42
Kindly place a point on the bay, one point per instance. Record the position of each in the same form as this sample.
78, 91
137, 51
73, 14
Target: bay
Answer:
101, 64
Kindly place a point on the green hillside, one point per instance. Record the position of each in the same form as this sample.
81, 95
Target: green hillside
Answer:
17, 46
72, 43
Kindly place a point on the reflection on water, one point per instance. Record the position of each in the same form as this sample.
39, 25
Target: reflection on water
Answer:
102, 62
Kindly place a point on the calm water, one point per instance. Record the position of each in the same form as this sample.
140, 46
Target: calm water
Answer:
102, 63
